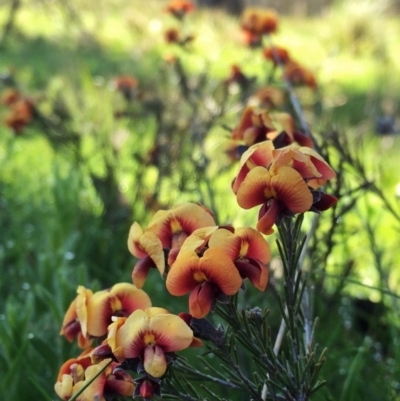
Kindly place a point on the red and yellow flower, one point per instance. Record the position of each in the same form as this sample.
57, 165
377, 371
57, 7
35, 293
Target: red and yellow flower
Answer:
120, 300
249, 251
150, 334
75, 319
259, 21
77, 372
298, 75
278, 180
89, 314
275, 53
166, 231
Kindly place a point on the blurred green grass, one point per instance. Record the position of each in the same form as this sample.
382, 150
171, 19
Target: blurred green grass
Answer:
51, 238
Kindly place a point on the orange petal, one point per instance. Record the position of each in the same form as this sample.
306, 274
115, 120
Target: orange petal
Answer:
180, 279
201, 299
186, 217
141, 270
120, 382
142, 243
259, 154
154, 361
226, 240
291, 189
131, 297
96, 389
253, 244
220, 270
255, 271
198, 238
321, 165
122, 298
267, 216
215, 266
255, 189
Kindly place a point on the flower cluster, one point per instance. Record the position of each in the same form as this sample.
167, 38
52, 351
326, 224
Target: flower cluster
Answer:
258, 125
256, 23
284, 181
75, 374
294, 72
134, 337
199, 257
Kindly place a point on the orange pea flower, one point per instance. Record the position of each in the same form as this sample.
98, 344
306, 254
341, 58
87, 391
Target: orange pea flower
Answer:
21, 113
150, 334
75, 373
179, 8
259, 21
298, 75
253, 126
75, 319
278, 180
167, 230
120, 300
90, 314
257, 125
237, 76
205, 275
280, 52
127, 86
249, 250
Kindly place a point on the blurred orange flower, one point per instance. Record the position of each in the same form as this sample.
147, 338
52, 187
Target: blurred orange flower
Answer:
236, 76
172, 35
21, 113
179, 8
280, 52
126, 85
268, 97
299, 76
259, 21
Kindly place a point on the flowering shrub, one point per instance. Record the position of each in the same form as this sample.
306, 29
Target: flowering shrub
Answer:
155, 141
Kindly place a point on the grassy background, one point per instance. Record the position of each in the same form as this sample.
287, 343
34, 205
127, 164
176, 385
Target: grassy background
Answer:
52, 235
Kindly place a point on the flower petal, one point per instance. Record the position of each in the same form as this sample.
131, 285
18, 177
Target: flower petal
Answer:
154, 361
142, 243
253, 244
292, 190
267, 216
130, 297
255, 271
255, 189
259, 154
180, 279
201, 299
